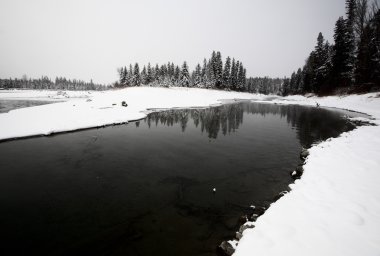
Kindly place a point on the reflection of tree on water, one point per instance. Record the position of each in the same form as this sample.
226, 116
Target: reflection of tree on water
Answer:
225, 118
311, 124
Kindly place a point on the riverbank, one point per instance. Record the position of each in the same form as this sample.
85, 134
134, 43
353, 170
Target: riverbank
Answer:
333, 209
83, 110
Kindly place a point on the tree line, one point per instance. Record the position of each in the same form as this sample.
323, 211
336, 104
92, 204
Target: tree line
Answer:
352, 61
211, 74
45, 83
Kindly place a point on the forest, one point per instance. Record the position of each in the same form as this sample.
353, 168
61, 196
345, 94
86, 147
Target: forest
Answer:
212, 74
351, 62
45, 83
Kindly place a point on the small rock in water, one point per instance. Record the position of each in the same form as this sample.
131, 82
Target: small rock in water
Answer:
297, 173
254, 217
227, 248
252, 207
243, 219
244, 227
304, 154
214, 190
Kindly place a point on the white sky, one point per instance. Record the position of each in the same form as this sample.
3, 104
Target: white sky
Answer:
87, 39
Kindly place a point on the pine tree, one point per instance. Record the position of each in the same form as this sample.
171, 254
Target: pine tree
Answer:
350, 39
149, 74
299, 82
204, 73
212, 70
144, 76
136, 76
240, 77
341, 59
292, 84
130, 79
309, 73
227, 73
177, 73
123, 76
185, 76
320, 63
374, 48
197, 75
218, 70
361, 19
236, 76
285, 87
233, 75
157, 74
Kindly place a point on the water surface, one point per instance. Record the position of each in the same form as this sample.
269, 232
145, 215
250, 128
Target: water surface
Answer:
8, 105
146, 188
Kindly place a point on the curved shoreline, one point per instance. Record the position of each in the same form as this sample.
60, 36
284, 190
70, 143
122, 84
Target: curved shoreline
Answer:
286, 229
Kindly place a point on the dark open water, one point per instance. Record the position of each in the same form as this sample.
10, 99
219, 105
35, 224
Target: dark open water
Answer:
146, 188
7, 105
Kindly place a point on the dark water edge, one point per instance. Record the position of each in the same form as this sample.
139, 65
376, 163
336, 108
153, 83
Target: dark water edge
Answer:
146, 188
8, 105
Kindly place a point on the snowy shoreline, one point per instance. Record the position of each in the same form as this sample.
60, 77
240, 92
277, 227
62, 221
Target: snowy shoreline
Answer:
333, 209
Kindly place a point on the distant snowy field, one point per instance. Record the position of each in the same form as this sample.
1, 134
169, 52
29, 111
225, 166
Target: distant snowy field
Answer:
334, 209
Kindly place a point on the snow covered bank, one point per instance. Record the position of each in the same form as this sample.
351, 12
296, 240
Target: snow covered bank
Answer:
44, 95
93, 109
334, 209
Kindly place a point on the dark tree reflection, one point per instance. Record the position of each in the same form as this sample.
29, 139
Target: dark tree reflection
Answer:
311, 124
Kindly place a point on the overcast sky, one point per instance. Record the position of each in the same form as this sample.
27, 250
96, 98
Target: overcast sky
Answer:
87, 39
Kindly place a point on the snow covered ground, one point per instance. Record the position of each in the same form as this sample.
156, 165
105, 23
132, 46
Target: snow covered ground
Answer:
334, 209
92, 109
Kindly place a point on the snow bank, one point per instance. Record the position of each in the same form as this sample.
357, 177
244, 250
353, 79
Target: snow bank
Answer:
43, 95
93, 109
334, 209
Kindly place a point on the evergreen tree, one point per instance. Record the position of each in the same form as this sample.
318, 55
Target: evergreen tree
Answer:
309, 73
130, 79
185, 76
177, 74
299, 82
227, 73
212, 70
361, 19
240, 77
204, 72
285, 87
149, 74
218, 70
157, 74
233, 74
350, 39
292, 84
136, 76
144, 76
321, 64
123, 76
197, 75
341, 59
373, 61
